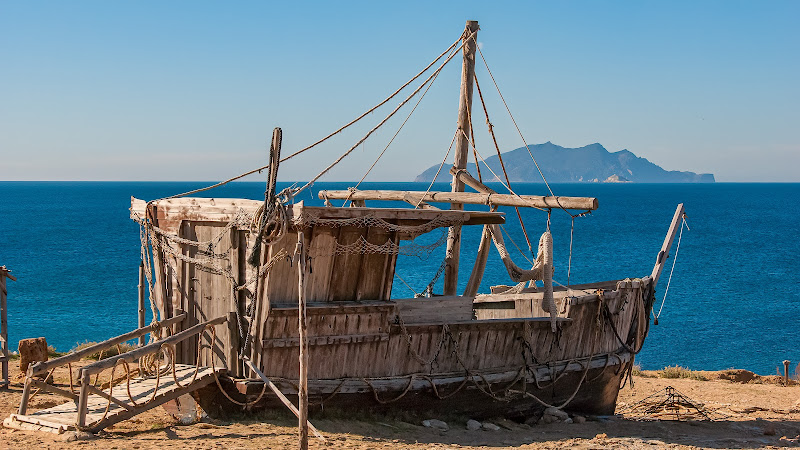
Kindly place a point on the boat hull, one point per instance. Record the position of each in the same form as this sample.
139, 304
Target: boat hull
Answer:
588, 391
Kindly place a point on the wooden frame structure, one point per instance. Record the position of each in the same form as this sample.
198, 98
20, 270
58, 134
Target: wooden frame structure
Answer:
171, 381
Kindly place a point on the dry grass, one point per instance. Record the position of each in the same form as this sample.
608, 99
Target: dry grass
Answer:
112, 351
681, 372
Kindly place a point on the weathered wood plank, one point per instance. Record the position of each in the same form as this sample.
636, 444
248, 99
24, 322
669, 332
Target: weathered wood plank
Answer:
373, 266
225, 209
435, 309
346, 267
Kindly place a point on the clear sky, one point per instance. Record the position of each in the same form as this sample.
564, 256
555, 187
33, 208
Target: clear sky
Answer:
190, 90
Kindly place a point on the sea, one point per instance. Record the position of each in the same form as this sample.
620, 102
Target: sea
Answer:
734, 289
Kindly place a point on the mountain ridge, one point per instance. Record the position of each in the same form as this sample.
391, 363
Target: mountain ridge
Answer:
590, 163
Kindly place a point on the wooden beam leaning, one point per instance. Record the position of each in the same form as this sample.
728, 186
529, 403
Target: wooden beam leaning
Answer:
45, 366
664, 253
133, 355
473, 198
479, 268
282, 397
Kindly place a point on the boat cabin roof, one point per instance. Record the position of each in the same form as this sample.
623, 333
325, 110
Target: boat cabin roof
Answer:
171, 212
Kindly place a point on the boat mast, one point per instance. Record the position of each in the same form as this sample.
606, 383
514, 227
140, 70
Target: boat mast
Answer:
462, 151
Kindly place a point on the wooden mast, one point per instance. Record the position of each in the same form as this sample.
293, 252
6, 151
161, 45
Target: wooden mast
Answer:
462, 151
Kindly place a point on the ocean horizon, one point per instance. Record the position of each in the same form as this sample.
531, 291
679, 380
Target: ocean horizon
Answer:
732, 301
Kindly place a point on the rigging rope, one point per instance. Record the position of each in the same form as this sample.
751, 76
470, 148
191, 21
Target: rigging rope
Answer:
369, 133
397, 132
302, 150
669, 280
500, 157
438, 170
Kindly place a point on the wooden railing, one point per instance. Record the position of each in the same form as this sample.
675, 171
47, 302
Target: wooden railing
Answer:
85, 373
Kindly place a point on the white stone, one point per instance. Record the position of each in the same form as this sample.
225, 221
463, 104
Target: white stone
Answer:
489, 426
473, 425
555, 412
435, 423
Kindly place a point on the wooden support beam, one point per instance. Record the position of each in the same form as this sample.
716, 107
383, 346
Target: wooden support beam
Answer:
664, 253
109, 397
474, 198
416, 200
282, 397
479, 268
46, 387
302, 388
481, 258
461, 151
26, 394
83, 399
4, 273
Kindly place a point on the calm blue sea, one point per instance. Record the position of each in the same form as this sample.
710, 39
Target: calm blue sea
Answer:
734, 300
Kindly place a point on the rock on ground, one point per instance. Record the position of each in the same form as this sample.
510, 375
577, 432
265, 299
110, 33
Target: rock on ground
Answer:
435, 423
31, 350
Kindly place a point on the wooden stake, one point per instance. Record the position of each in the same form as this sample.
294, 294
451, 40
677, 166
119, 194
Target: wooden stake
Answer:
786, 372
302, 389
461, 153
83, 399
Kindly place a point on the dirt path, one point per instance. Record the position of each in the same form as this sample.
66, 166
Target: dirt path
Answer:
752, 410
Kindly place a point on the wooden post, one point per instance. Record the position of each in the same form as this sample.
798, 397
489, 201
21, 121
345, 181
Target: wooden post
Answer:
26, 393
302, 389
461, 153
83, 399
141, 301
160, 270
786, 372
4, 273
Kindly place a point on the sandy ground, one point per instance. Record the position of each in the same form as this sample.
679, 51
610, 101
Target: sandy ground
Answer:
757, 416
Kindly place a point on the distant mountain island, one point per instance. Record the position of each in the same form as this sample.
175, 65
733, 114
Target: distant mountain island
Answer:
591, 163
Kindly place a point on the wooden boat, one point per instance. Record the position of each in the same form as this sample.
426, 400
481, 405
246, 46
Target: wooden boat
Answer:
307, 291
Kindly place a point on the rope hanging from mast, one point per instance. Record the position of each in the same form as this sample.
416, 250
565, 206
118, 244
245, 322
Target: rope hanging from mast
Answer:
382, 122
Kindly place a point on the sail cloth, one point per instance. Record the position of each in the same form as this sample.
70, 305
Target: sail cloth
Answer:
542, 268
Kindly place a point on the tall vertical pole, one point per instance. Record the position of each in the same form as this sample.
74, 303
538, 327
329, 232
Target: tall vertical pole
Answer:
462, 151
4, 325
302, 390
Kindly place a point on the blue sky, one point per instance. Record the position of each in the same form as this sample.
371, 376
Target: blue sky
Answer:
190, 90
